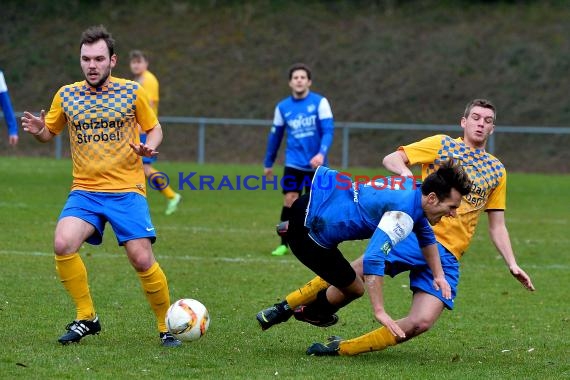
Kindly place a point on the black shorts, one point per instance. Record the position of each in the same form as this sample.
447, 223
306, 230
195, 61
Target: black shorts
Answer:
295, 180
328, 263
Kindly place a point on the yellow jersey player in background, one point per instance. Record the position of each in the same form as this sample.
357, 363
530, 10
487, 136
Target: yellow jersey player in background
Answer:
103, 115
139, 68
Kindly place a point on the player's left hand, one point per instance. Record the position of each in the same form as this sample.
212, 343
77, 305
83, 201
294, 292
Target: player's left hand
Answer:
441, 283
13, 140
317, 160
523, 278
143, 150
390, 324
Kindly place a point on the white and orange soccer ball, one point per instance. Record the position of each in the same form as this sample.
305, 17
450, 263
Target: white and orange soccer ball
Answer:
187, 319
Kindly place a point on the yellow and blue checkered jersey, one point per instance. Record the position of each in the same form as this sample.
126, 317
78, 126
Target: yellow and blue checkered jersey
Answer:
102, 122
488, 192
150, 83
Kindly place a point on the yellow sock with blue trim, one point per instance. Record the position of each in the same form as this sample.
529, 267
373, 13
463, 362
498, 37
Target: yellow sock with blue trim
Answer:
73, 275
376, 340
155, 289
306, 294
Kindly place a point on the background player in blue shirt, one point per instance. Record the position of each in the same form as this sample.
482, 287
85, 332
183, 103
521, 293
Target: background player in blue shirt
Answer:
337, 210
308, 119
8, 112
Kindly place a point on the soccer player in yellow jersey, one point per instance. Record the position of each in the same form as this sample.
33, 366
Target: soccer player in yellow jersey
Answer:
488, 194
139, 68
103, 115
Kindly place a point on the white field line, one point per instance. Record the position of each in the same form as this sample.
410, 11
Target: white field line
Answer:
121, 254
246, 259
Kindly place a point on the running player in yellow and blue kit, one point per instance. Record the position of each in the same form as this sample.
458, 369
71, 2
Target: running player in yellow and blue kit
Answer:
102, 114
337, 210
139, 68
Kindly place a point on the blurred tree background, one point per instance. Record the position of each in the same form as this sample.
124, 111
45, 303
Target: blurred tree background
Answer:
377, 61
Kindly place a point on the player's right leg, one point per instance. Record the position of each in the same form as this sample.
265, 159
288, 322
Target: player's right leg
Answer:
76, 225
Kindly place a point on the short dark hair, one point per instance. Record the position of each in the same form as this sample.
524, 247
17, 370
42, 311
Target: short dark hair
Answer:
448, 176
96, 33
137, 54
299, 66
485, 103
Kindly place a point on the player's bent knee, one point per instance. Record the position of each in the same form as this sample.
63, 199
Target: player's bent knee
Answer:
422, 325
63, 246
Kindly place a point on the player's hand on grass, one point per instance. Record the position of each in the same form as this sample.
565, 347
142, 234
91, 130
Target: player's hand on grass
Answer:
390, 324
144, 150
521, 275
440, 283
34, 125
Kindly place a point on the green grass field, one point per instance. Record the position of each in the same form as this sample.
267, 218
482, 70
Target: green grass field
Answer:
216, 249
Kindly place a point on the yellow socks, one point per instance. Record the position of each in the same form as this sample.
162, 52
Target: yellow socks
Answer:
73, 276
156, 291
168, 192
306, 294
373, 341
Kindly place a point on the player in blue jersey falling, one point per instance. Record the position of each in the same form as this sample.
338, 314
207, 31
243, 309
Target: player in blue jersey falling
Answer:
337, 210
8, 112
308, 119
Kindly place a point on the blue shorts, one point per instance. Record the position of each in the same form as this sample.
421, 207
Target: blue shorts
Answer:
147, 160
128, 214
407, 255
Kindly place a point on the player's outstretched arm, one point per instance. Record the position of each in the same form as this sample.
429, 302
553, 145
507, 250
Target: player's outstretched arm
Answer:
36, 126
500, 237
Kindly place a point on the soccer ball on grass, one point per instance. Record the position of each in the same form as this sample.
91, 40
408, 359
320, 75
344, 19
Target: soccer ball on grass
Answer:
187, 319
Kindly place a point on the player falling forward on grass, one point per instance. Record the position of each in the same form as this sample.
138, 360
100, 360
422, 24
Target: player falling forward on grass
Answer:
386, 212
453, 235
139, 68
308, 119
102, 114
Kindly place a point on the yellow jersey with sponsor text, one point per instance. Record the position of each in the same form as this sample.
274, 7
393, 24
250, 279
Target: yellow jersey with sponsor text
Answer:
488, 191
101, 123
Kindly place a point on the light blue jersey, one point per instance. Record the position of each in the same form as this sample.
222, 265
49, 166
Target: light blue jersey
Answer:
6, 106
386, 212
310, 128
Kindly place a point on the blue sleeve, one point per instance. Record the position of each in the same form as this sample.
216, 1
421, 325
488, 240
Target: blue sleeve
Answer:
327, 127
273, 143
8, 113
424, 233
375, 253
